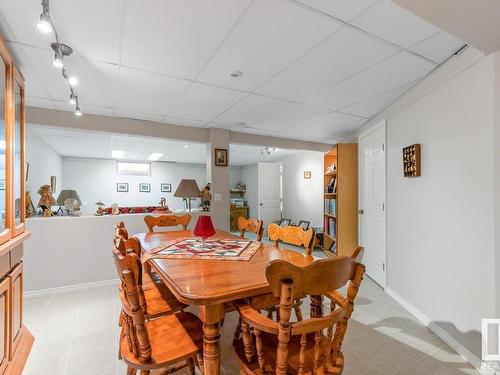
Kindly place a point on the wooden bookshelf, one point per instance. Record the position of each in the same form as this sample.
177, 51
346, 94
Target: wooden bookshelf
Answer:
343, 214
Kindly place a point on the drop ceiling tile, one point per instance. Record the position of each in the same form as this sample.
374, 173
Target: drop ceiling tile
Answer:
342, 9
369, 108
394, 72
395, 24
292, 116
144, 92
138, 116
347, 52
183, 121
91, 28
39, 102
33, 85
176, 37
95, 145
251, 109
204, 103
269, 37
333, 125
438, 47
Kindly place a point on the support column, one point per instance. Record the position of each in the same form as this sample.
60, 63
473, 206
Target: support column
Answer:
218, 177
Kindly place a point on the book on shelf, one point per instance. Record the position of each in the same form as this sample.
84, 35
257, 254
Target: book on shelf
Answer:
330, 206
330, 226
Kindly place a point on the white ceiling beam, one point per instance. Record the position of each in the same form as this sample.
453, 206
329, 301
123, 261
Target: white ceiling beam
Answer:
107, 124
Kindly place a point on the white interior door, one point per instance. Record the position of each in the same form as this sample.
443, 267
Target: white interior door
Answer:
269, 197
372, 170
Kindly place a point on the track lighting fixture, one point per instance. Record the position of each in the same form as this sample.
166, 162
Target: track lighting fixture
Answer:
45, 25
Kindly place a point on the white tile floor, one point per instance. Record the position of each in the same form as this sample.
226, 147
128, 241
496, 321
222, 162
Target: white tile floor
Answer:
76, 333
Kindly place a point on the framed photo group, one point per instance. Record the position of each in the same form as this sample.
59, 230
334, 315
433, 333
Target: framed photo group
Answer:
122, 187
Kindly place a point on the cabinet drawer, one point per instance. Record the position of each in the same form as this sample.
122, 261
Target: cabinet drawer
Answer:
16, 255
4, 265
16, 307
4, 324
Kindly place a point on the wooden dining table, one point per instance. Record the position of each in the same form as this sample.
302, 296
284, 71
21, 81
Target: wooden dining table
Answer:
212, 283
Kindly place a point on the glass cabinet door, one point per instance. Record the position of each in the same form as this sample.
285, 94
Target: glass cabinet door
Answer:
18, 148
4, 80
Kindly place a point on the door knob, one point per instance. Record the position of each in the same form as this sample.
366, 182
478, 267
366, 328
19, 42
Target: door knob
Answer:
261, 204
361, 212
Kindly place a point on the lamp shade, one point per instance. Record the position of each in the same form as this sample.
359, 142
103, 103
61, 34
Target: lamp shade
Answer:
187, 189
65, 194
204, 227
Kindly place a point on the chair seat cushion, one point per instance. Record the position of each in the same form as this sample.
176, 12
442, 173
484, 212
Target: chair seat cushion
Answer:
270, 345
159, 299
173, 338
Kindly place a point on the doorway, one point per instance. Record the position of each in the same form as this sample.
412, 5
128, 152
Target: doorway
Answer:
269, 191
372, 197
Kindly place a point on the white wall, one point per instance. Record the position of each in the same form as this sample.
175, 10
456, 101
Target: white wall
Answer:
303, 198
44, 163
440, 235
249, 176
95, 179
234, 176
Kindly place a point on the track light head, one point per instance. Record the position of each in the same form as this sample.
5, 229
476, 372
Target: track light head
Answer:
58, 60
45, 24
73, 81
78, 112
72, 99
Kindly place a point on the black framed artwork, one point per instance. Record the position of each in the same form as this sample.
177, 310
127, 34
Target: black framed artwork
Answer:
122, 187
166, 188
144, 188
220, 157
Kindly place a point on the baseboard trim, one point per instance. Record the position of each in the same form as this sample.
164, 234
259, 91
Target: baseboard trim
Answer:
63, 289
441, 333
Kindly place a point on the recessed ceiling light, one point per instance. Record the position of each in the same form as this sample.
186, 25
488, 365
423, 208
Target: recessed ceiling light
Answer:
155, 156
186, 146
236, 74
117, 154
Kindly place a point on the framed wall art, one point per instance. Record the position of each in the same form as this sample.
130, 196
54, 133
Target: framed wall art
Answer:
166, 188
144, 188
220, 157
122, 187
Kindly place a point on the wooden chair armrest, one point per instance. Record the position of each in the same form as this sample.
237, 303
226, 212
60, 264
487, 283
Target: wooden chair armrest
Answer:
256, 319
336, 297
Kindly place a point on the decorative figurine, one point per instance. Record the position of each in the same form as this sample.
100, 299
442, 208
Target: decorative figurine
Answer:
46, 199
115, 210
163, 205
206, 198
100, 210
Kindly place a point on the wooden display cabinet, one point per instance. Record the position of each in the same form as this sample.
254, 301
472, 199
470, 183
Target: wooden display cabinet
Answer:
15, 339
340, 217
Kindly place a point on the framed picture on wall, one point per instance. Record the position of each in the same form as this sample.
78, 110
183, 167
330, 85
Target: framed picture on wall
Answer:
220, 157
122, 187
144, 188
166, 188
307, 175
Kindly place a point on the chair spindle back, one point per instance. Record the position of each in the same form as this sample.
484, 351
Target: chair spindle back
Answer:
294, 235
251, 225
167, 221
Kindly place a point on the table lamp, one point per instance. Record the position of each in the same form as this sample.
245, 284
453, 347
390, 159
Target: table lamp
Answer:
65, 195
188, 189
204, 227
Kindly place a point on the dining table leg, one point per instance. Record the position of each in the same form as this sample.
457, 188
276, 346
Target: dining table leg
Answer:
211, 316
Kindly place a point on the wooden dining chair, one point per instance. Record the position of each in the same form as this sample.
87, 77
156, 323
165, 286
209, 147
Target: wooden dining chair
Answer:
310, 346
154, 296
131, 243
156, 344
251, 225
292, 235
167, 221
